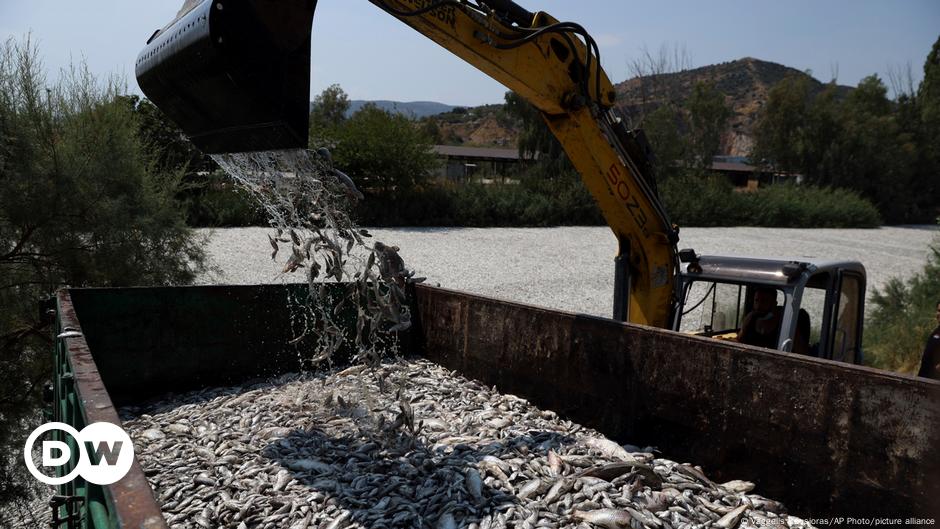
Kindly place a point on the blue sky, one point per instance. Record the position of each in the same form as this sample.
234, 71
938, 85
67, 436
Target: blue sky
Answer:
373, 56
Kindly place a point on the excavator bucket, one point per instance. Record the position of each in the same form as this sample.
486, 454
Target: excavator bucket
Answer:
234, 74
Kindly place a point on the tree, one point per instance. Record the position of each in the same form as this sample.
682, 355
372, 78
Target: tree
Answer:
656, 87
873, 155
538, 142
383, 151
329, 109
663, 129
864, 141
708, 114
432, 130
169, 148
686, 136
81, 204
929, 90
928, 133
535, 138
779, 132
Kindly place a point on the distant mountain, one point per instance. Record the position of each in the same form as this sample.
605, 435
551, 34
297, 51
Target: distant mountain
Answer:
414, 109
745, 83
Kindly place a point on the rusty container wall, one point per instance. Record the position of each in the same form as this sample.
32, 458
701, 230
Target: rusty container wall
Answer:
151, 341
827, 438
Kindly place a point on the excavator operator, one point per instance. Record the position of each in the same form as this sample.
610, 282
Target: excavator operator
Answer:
761, 326
930, 361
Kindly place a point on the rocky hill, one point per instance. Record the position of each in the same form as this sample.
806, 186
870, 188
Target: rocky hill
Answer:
483, 126
745, 83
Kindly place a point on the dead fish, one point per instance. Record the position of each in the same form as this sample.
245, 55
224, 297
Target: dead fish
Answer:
555, 463
609, 518
348, 186
153, 434
203, 479
613, 470
281, 481
178, 428
446, 521
274, 246
532, 488
293, 263
609, 449
732, 518
339, 521
400, 327
499, 423
738, 485
230, 456
391, 265
492, 462
308, 465
474, 485
643, 518
656, 501
557, 490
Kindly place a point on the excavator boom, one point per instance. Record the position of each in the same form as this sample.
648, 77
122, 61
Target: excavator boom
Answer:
235, 75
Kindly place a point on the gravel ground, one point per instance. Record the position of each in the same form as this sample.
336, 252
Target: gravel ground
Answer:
572, 268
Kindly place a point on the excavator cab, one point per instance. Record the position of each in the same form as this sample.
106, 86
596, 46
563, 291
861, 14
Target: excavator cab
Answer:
819, 304
233, 74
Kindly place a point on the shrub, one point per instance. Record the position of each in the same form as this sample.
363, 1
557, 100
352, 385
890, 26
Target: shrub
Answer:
219, 203
477, 205
80, 204
810, 207
901, 315
711, 201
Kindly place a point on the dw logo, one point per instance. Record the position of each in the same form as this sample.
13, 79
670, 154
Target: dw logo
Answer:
109, 443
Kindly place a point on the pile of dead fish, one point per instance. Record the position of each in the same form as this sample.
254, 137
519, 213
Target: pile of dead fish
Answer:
307, 201
410, 444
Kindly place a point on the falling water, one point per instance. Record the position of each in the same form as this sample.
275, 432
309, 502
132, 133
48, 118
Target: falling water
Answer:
307, 201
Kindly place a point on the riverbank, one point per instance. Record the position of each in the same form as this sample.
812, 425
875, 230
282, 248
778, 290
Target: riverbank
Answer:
571, 268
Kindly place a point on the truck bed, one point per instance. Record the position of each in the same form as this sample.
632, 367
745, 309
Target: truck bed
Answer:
827, 439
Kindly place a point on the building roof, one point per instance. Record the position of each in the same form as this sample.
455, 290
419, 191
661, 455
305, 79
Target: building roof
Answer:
733, 167
477, 152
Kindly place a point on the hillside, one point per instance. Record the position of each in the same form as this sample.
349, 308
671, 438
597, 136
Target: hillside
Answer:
745, 83
414, 109
483, 126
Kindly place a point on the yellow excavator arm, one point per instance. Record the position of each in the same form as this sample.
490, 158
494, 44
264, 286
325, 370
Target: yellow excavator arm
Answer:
225, 54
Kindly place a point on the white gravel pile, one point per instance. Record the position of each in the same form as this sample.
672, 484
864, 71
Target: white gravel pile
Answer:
572, 268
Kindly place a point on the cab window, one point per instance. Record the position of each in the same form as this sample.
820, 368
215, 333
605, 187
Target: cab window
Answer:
845, 344
712, 308
814, 305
